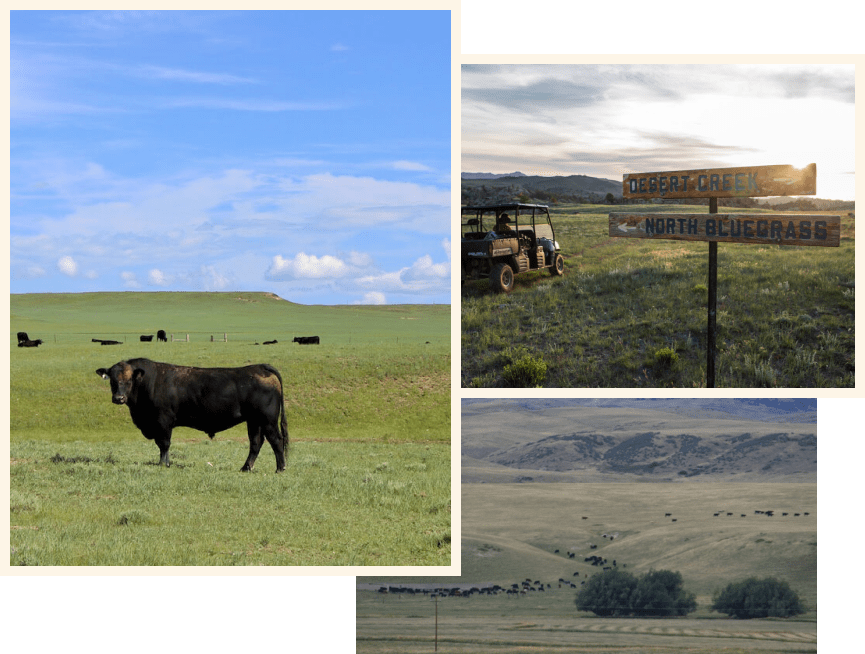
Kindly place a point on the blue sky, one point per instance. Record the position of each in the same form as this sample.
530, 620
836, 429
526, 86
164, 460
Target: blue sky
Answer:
301, 153
609, 120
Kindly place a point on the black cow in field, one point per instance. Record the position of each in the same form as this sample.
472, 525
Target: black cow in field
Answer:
29, 343
146, 339
160, 336
306, 340
22, 336
162, 396
273, 342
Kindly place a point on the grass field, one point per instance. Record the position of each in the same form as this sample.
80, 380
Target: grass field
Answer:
785, 314
368, 476
511, 533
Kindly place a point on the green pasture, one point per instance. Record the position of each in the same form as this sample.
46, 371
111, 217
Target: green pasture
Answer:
632, 313
368, 477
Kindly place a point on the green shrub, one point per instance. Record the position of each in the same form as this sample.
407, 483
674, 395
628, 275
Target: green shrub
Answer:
607, 594
525, 372
667, 357
616, 593
660, 593
758, 598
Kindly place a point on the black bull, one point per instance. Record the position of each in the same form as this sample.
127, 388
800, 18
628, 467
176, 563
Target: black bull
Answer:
162, 396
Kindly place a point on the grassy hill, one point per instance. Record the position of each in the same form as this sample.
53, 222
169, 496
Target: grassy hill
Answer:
511, 533
368, 410
398, 353
785, 314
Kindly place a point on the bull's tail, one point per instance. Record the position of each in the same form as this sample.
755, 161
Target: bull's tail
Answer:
283, 421
283, 427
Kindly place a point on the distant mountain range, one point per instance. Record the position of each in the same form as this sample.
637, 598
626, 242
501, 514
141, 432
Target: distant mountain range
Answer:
490, 175
569, 188
618, 440
490, 188
763, 410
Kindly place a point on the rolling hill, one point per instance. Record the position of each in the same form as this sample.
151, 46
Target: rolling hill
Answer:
568, 441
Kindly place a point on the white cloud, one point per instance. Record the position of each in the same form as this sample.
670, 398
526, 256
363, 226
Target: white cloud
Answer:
425, 270
67, 266
130, 280
30, 272
158, 278
180, 75
209, 278
305, 266
422, 277
373, 297
410, 165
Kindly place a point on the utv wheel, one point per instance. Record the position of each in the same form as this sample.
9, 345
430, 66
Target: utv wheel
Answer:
502, 278
558, 268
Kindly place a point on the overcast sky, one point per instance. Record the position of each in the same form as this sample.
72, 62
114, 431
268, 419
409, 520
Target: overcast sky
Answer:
609, 120
301, 153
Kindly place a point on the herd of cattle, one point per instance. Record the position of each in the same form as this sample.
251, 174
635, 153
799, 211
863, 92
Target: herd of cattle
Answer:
528, 586
24, 340
515, 590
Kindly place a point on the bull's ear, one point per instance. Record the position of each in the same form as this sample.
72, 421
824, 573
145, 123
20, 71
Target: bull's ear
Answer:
102, 372
138, 374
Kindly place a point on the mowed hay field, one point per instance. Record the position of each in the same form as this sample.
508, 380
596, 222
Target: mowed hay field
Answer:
511, 532
785, 315
368, 469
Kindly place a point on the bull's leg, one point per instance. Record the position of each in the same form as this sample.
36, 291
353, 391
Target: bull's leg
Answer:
255, 442
271, 433
164, 442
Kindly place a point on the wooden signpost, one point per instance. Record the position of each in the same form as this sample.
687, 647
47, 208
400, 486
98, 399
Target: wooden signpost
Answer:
754, 228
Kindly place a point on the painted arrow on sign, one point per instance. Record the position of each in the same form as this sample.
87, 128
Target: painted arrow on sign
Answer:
625, 227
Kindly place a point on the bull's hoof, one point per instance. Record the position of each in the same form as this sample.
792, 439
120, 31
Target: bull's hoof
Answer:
245, 469
278, 470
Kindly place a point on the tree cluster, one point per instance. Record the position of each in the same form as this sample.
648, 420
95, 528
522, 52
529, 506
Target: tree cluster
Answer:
758, 598
617, 593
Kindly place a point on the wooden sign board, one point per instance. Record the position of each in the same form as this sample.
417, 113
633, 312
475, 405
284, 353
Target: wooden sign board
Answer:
760, 228
747, 182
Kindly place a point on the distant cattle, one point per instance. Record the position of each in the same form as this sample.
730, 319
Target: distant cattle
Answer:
162, 396
585, 517
29, 343
160, 336
667, 515
102, 341
306, 340
146, 339
273, 342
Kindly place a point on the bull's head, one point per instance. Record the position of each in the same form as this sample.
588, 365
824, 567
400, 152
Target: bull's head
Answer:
124, 381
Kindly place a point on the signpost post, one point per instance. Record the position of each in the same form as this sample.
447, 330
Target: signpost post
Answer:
755, 228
